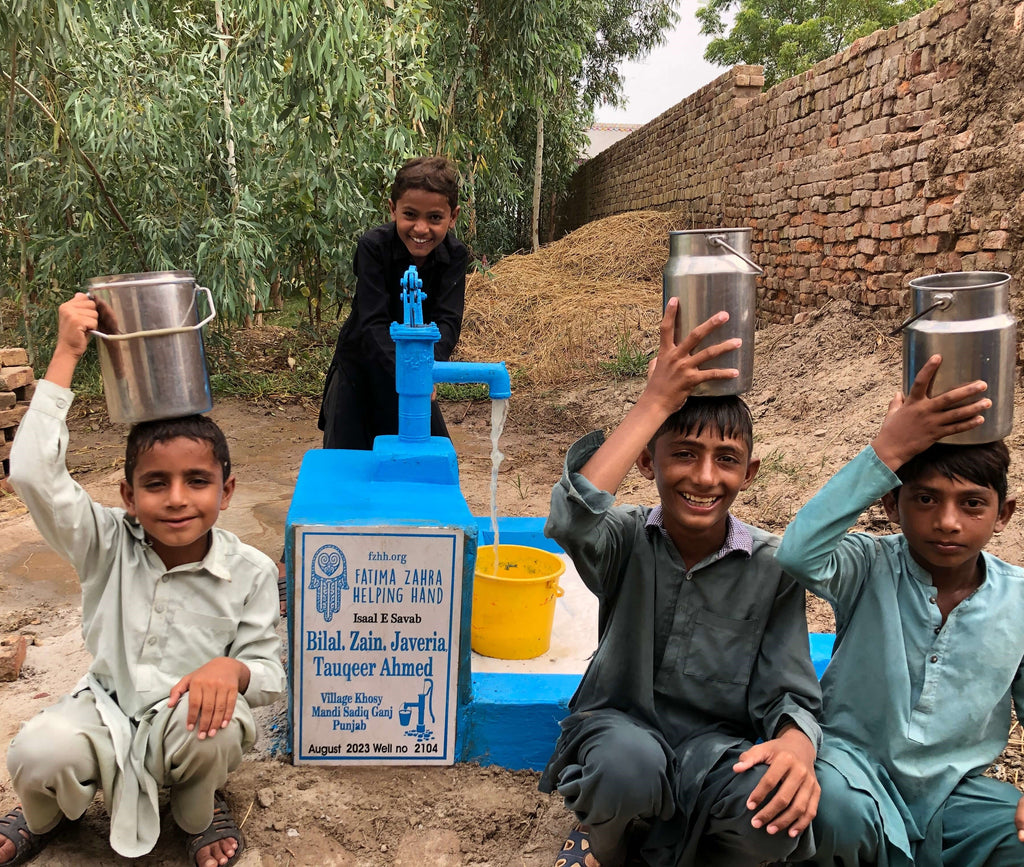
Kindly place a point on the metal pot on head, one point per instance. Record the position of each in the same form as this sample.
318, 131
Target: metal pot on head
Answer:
151, 346
965, 317
710, 270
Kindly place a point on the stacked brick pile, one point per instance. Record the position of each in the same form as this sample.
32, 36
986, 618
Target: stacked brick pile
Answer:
17, 385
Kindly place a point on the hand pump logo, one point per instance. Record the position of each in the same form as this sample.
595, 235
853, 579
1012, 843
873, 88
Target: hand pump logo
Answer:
329, 577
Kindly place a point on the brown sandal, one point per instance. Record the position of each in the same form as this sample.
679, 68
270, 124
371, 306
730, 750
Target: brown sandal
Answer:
223, 827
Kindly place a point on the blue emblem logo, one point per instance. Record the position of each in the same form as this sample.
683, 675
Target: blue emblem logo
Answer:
329, 576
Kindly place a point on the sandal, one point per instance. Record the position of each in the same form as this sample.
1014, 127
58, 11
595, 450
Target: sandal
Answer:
575, 849
222, 827
282, 586
26, 843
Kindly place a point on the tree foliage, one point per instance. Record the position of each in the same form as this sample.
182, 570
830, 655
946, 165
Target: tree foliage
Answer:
787, 37
251, 141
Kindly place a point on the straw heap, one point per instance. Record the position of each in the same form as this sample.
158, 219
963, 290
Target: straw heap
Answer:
553, 315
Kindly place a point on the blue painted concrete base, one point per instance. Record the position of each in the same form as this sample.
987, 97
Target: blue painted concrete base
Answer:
512, 720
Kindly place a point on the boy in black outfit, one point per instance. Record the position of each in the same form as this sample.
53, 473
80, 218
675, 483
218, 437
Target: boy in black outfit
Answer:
359, 400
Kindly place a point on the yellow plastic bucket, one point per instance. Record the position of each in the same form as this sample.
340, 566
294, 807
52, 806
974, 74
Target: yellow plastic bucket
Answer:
514, 604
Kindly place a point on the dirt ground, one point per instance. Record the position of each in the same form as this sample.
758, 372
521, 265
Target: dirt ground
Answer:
821, 390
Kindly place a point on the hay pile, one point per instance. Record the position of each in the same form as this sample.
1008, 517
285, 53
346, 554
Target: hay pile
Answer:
554, 315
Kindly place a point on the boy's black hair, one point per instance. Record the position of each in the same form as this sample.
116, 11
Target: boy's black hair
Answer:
433, 174
984, 464
729, 415
146, 434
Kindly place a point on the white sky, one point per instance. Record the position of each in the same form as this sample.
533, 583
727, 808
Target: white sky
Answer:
667, 75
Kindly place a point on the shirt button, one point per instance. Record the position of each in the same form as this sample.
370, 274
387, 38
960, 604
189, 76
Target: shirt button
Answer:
938, 629
152, 640
160, 610
931, 599
166, 578
935, 659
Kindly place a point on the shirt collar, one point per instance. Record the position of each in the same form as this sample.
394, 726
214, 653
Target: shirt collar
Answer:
737, 536
214, 561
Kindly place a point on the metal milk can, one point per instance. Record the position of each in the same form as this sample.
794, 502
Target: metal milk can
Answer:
150, 345
710, 270
965, 317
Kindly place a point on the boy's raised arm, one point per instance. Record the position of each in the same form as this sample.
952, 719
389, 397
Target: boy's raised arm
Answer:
671, 378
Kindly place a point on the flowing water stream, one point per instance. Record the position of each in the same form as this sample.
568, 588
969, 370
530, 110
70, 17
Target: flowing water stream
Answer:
499, 412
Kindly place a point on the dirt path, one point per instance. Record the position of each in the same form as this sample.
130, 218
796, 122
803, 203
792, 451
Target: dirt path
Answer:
820, 393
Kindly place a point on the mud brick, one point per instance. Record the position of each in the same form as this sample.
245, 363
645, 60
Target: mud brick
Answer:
15, 377
11, 417
5, 447
13, 357
7, 399
24, 394
12, 657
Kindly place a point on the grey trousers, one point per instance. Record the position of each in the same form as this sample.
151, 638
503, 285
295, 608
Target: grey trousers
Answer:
976, 828
60, 758
622, 774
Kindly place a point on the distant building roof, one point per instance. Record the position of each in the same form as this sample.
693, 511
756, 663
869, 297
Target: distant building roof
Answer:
602, 135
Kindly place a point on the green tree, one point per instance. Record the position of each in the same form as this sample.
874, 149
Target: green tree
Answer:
787, 37
251, 141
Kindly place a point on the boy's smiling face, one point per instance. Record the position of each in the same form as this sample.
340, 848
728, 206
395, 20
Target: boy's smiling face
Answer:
947, 522
422, 219
176, 494
698, 477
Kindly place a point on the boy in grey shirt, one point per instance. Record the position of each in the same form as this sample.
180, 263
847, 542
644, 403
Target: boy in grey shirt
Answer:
703, 646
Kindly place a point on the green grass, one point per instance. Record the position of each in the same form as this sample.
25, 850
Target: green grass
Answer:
462, 391
629, 361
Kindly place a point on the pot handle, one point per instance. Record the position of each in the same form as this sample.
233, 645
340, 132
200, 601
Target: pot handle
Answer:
942, 301
160, 332
719, 241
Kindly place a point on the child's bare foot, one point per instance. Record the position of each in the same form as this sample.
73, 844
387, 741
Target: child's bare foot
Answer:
18, 844
219, 845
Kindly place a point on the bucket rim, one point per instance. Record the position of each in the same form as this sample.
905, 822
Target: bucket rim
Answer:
746, 229
558, 565
947, 281
140, 278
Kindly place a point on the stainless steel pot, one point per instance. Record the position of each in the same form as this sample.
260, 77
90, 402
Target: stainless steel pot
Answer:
710, 270
965, 317
151, 349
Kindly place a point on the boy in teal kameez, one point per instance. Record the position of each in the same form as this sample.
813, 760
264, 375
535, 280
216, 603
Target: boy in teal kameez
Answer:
929, 648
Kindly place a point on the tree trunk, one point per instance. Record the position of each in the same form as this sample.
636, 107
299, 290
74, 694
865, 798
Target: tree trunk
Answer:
538, 169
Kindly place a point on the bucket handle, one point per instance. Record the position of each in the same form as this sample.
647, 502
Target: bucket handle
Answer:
160, 332
719, 241
942, 301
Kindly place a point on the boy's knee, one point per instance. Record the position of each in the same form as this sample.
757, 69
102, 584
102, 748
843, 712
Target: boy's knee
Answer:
629, 771
848, 823
45, 744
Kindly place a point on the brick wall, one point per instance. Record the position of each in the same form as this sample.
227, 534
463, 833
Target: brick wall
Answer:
901, 156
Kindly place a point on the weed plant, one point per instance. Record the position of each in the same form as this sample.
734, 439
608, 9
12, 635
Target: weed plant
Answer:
629, 361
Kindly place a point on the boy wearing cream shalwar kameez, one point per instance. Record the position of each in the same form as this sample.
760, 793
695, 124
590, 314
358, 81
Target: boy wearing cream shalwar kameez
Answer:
179, 616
